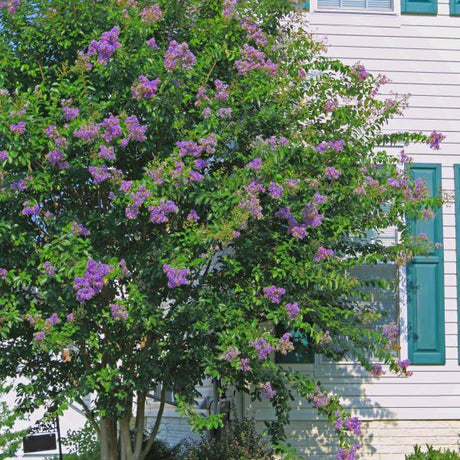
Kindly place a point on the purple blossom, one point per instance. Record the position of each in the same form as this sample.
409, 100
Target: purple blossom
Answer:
255, 164
360, 72
49, 269
112, 128
99, 173
118, 311
87, 132
69, 112
152, 14
299, 231
158, 213
318, 398
273, 142
92, 282
230, 354
201, 96
284, 344
332, 173
251, 205
126, 185
319, 199
145, 88
236, 234
176, 276
206, 112
200, 164
262, 348
195, 176
52, 320
254, 32
39, 336
55, 156
193, 216
347, 454
435, 139
30, 210
323, 254
377, 370
292, 310
330, 105
274, 293
105, 47
189, 148
3, 155
70, 318
106, 152
141, 195
221, 93
178, 55
3, 273
322, 147
136, 131
152, 43
391, 332
19, 185
266, 390
225, 112
311, 216
209, 144
229, 10
275, 190
78, 229
244, 365
352, 424
404, 363
253, 59
19, 128
132, 211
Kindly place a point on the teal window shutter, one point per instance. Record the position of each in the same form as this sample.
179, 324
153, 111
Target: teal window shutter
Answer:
455, 7
304, 5
425, 282
302, 354
420, 6
457, 239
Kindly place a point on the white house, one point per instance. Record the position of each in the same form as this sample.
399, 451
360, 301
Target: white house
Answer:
416, 43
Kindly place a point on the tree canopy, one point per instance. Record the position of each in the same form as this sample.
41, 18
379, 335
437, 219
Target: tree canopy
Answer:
183, 185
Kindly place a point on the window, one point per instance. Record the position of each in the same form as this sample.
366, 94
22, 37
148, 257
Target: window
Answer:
425, 282
378, 5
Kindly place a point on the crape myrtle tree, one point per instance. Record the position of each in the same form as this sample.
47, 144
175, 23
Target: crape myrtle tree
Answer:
183, 184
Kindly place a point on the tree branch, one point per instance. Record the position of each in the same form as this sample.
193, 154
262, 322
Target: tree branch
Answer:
89, 416
140, 417
156, 427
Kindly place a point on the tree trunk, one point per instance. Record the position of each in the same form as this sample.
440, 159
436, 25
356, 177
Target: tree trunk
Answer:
108, 438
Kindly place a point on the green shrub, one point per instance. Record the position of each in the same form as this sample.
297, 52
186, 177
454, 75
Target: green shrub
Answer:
240, 442
432, 454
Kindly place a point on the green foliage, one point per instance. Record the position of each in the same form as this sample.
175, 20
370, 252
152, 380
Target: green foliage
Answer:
82, 444
147, 209
241, 442
432, 454
10, 440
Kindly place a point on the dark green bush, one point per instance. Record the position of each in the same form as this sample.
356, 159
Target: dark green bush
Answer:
432, 454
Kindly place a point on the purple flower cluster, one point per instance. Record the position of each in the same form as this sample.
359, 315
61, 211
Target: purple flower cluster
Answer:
360, 72
319, 199
377, 370
92, 282
158, 213
332, 173
107, 153
176, 276
69, 112
11, 5
118, 311
311, 216
262, 348
391, 332
112, 128
78, 229
352, 424
152, 43
202, 97
255, 164
266, 390
292, 310
274, 142
145, 88
52, 320
87, 132
254, 32
318, 398
99, 173
3, 155
192, 215
244, 365
275, 190
221, 93
334, 145
435, 139
19, 128
30, 210
3, 273
285, 345
253, 59
152, 14
105, 47
224, 112
49, 269
178, 55
230, 354
323, 254
330, 105
19, 185
39, 336
274, 293
136, 130
70, 317
229, 10
348, 454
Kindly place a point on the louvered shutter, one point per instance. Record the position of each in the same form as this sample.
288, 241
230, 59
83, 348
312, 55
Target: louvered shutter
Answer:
419, 6
425, 282
455, 7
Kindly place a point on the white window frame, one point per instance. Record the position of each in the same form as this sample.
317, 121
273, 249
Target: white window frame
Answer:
396, 11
